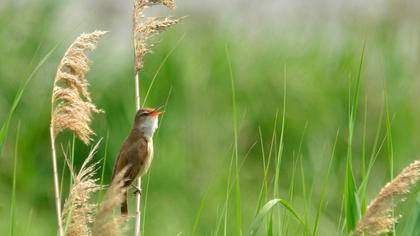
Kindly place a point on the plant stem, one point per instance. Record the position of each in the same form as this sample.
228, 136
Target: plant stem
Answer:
56, 187
138, 197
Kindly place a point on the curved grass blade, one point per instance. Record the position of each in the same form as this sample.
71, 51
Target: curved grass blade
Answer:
324, 187
266, 209
13, 202
199, 213
5, 127
160, 68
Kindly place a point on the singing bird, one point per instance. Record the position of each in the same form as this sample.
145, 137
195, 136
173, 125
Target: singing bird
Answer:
136, 153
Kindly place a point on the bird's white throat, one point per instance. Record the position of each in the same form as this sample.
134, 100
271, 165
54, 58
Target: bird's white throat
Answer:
148, 127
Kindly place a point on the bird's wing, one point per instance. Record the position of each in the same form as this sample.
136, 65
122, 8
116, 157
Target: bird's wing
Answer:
132, 158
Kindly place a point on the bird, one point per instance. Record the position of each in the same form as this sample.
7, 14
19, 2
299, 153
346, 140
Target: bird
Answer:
136, 152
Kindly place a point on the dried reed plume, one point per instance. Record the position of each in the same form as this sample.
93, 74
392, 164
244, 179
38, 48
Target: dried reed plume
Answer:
379, 218
107, 223
146, 27
78, 210
71, 105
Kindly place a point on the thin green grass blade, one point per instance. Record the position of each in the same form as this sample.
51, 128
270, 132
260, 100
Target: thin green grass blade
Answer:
199, 213
292, 181
266, 209
324, 187
280, 151
13, 202
304, 189
228, 189
279, 158
63, 169
5, 127
264, 186
412, 228
104, 158
351, 205
375, 152
291, 191
235, 134
363, 197
149, 89
144, 210
390, 148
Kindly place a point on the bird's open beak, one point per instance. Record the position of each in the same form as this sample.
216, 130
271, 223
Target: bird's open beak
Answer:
156, 111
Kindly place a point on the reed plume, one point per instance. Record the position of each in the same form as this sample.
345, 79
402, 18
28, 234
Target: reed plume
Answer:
71, 105
146, 27
378, 218
79, 211
107, 223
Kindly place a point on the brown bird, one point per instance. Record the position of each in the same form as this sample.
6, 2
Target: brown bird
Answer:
136, 153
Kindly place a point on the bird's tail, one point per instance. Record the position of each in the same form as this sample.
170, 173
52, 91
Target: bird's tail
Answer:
124, 207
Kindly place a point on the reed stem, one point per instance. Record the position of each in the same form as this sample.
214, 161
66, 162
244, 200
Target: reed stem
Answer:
56, 185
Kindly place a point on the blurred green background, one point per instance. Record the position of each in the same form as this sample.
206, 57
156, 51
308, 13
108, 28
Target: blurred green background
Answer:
316, 46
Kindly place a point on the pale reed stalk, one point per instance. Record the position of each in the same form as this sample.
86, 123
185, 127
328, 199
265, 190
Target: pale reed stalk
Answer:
143, 29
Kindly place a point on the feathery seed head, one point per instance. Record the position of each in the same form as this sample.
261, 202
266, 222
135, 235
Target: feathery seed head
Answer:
78, 208
378, 218
146, 27
72, 104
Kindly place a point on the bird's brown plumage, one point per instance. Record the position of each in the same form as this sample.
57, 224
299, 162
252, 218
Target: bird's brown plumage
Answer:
136, 155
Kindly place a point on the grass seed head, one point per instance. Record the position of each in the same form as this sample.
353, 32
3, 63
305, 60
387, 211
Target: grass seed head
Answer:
378, 218
72, 104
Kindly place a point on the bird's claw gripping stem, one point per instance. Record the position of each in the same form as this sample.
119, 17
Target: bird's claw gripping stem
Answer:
137, 190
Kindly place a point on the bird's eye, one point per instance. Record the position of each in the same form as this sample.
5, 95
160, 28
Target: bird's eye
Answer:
144, 113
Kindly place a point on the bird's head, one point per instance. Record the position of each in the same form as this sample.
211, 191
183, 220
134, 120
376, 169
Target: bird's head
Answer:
146, 120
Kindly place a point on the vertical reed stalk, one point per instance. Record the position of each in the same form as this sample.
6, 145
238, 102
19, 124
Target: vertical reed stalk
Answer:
138, 197
56, 186
143, 29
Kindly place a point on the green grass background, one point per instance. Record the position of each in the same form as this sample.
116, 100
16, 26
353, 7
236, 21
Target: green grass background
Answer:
195, 144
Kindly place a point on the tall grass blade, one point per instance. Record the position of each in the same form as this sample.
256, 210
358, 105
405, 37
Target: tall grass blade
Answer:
324, 187
279, 154
5, 127
390, 149
13, 202
258, 220
160, 68
351, 204
100, 198
375, 152
199, 213
264, 186
235, 133
363, 198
